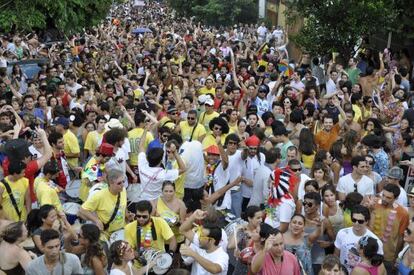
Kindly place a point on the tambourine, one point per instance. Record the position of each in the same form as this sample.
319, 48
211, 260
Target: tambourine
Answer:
163, 261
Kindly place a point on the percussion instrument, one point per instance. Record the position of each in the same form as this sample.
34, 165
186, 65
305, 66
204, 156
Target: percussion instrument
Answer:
71, 210
230, 227
118, 235
163, 261
246, 255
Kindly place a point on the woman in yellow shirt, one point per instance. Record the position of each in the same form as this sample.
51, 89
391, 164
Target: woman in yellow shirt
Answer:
16, 203
171, 209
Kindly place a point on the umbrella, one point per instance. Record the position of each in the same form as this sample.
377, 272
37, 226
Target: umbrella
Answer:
285, 68
141, 30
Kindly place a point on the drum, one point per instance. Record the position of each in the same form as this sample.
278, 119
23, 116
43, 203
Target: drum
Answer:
71, 210
247, 254
229, 229
117, 236
163, 263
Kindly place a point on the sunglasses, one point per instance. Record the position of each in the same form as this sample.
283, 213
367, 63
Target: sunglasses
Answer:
191, 118
119, 183
165, 136
141, 216
296, 169
252, 148
357, 221
217, 128
308, 204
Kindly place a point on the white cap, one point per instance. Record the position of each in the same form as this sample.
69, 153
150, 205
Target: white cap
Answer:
209, 102
113, 123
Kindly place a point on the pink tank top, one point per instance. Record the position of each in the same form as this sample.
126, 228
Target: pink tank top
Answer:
372, 270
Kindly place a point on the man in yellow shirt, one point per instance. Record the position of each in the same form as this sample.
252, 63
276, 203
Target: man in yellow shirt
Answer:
208, 114
153, 232
134, 137
107, 207
45, 189
71, 148
94, 138
208, 88
171, 119
191, 130
14, 193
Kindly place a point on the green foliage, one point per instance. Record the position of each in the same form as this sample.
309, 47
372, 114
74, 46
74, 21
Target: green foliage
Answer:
336, 25
66, 15
217, 12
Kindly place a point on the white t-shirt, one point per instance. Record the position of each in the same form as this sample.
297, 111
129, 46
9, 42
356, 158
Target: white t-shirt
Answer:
221, 178
250, 167
152, 178
301, 189
192, 155
365, 185
72, 89
346, 241
119, 161
260, 186
283, 213
218, 257
330, 87
297, 85
235, 168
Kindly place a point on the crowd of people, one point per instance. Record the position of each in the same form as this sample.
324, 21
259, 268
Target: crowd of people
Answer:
152, 144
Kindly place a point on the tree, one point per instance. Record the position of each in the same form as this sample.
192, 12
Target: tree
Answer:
337, 25
217, 12
65, 15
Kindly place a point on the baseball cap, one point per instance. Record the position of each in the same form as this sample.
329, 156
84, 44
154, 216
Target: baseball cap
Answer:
213, 149
209, 102
113, 123
106, 149
395, 173
171, 110
61, 121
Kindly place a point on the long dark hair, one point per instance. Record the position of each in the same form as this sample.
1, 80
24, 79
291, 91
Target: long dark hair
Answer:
369, 246
306, 142
91, 233
36, 216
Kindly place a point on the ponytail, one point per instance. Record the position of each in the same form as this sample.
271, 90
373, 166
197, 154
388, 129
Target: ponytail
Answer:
376, 260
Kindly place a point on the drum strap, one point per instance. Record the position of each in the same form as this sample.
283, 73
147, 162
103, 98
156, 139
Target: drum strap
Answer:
118, 200
192, 132
153, 234
12, 199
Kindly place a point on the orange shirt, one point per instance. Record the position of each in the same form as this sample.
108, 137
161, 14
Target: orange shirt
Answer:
324, 139
389, 225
